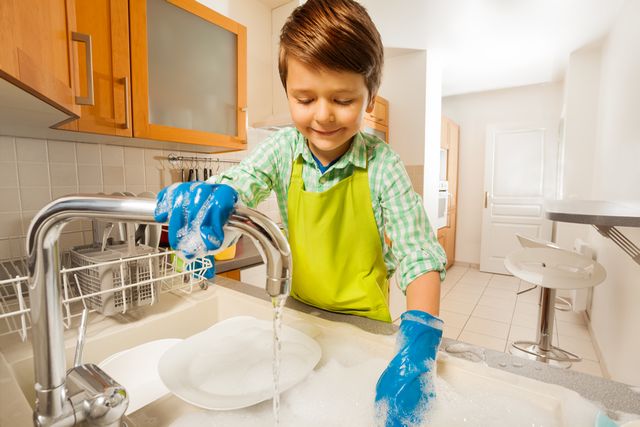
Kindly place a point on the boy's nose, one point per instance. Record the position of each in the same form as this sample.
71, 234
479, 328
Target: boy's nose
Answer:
324, 113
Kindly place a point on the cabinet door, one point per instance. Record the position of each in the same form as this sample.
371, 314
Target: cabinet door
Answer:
380, 113
35, 53
376, 129
189, 74
452, 162
442, 236
450, 241
444, 133
107, 22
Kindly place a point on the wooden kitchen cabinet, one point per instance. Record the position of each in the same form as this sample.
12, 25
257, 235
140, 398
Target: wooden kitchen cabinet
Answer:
107, 22
36, 49
231, 274
450, 141
380, 113
188, 66
377, 122
165, 70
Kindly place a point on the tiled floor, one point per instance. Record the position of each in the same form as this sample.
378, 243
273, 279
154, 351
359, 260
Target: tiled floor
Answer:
484, 309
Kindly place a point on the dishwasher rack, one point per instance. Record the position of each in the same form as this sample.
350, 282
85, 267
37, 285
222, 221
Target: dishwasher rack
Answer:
154, 273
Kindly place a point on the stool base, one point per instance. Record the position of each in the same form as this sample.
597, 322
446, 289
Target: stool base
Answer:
553, 356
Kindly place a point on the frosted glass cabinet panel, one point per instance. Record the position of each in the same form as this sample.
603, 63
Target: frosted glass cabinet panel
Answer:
189, 74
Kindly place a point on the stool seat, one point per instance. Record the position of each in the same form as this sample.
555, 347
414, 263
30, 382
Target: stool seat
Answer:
544, 264
555, 268
532, 242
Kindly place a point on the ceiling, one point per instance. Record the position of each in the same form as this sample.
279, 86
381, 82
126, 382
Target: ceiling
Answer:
494, 44
491, 44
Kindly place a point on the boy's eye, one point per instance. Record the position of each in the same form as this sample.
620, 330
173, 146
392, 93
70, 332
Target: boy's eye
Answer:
304, 101
344, 101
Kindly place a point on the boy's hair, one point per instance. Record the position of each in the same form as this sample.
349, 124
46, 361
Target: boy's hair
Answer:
334, 35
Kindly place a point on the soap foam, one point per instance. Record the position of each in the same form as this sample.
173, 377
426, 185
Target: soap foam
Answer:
339, 395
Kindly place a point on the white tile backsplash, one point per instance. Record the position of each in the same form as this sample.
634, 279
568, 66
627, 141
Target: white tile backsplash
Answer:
63, 175
89, 175
134, 175
7, 149
112, 155
10, 225
88, 154
57, 192
8, 174
61, 152
10, 200
33, 174
31, 150
113, 176
34, 198
133, 156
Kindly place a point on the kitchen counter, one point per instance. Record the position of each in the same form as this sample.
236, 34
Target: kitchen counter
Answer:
180, 315
612, 395
596, 212
247, 255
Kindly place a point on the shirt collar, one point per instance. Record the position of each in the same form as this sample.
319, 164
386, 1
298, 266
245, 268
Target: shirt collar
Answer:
356, 154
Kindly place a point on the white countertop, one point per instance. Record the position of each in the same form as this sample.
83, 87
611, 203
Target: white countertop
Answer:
596, 212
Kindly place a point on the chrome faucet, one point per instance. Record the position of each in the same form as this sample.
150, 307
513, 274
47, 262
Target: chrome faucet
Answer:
86, 393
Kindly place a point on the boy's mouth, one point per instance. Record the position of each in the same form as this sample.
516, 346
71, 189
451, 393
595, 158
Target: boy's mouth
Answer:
326, 133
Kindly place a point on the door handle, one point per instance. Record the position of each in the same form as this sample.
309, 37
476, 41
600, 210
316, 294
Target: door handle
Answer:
486, 199
126, 102
86, 39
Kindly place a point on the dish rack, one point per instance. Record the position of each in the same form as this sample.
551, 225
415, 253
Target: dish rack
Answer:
110, 282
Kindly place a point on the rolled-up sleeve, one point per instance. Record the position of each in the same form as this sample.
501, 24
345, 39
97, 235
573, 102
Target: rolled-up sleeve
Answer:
256, 176
413, 243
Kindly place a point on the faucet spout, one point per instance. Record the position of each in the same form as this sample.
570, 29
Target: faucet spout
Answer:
53, 405
273, 244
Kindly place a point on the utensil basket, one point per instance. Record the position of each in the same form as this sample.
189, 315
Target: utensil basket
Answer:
103, 277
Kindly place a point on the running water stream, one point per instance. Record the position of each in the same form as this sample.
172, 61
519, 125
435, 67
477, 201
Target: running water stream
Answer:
278, 306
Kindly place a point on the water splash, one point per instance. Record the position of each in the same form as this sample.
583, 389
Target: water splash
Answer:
278, 306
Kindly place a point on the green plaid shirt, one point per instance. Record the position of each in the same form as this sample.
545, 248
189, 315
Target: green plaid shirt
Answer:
397, 208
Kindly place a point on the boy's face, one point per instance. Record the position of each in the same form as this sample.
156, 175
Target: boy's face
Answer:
326, 106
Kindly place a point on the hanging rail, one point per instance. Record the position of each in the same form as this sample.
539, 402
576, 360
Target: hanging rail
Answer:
174, 160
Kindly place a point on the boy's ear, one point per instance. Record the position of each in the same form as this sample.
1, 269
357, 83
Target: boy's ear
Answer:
372, 102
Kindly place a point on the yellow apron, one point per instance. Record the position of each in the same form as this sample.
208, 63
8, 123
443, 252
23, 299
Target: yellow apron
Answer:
338, 264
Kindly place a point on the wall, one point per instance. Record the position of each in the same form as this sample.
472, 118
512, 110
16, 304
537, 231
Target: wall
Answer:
615, 316
403, 85
473, 112
582, 87
33, 172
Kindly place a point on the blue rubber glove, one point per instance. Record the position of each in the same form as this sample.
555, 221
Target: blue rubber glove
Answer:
196, 212
406, 388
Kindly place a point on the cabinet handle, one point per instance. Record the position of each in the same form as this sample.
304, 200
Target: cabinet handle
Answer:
127, 123
86, 39
486, 199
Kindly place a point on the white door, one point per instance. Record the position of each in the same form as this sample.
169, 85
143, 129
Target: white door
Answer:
520, 169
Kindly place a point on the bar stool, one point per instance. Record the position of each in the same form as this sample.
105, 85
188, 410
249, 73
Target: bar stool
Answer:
551, 269
561, 303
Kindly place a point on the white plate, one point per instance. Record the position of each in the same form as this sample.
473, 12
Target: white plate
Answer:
136, 370
230, 365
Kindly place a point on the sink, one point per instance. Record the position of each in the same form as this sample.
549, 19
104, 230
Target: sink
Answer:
347, 350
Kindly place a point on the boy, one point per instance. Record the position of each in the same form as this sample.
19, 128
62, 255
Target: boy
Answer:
339, 192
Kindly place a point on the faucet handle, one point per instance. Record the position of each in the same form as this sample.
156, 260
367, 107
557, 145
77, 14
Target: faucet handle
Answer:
97, 398
82, 331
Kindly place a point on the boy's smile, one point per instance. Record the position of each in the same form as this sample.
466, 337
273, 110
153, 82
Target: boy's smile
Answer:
326, 106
